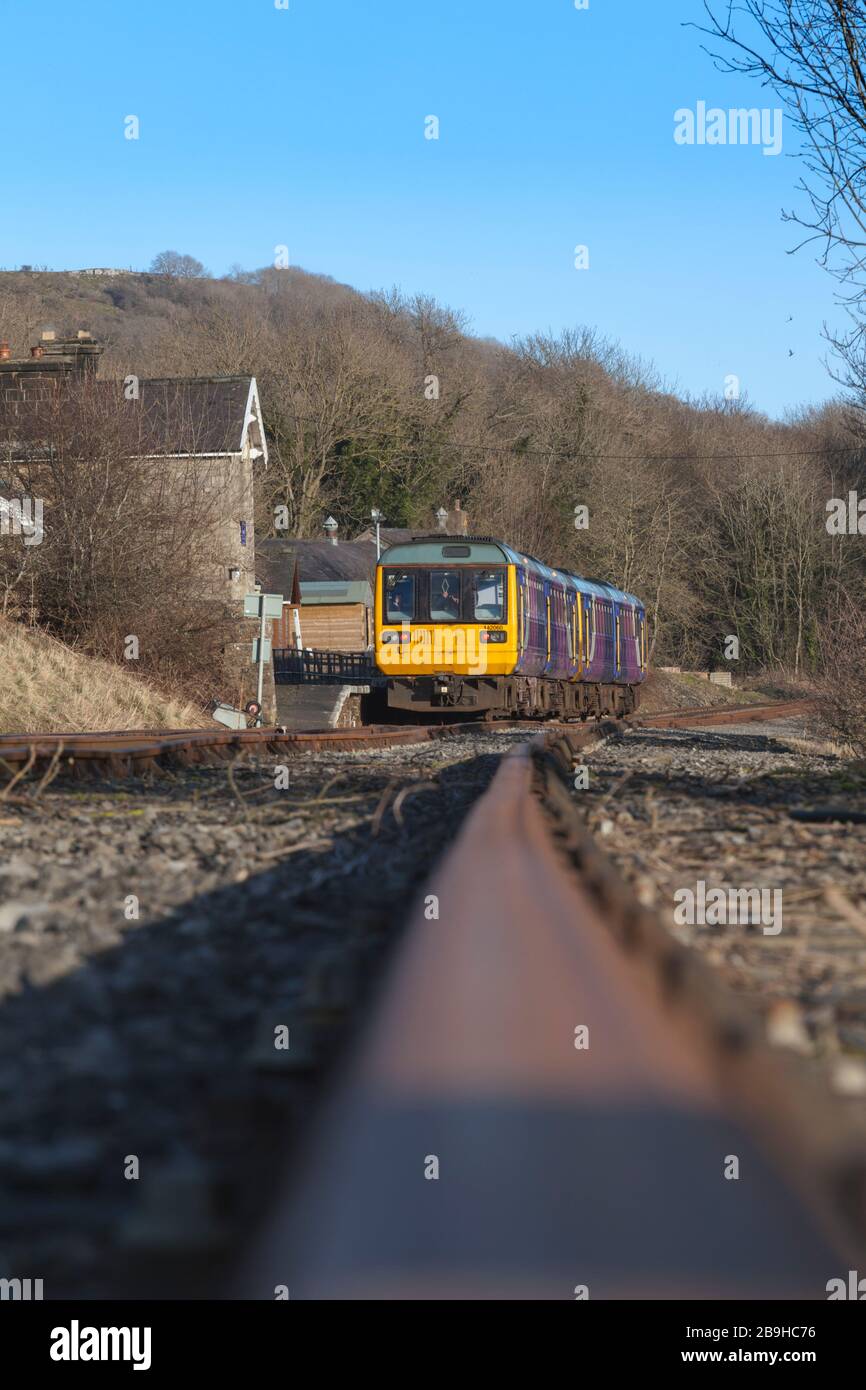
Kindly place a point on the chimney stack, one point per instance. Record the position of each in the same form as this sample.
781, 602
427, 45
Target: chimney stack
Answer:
78, 355
458, 521
51, 362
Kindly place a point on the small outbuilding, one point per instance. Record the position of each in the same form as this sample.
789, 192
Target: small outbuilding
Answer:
329, 586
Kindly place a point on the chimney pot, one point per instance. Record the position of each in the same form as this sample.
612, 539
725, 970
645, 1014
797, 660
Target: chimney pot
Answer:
37, 351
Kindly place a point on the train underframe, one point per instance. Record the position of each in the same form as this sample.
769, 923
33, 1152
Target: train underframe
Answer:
510, 697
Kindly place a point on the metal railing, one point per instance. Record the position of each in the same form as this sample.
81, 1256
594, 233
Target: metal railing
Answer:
324, 668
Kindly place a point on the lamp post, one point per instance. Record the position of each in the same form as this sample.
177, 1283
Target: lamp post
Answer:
378, 519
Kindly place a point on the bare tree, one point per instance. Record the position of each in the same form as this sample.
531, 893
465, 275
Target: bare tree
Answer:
178, 266
132, 544
812, 54
842, 682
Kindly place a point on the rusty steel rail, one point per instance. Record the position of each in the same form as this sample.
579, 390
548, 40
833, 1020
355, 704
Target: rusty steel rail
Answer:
732, 714
121, 754
553, 1096
126, 752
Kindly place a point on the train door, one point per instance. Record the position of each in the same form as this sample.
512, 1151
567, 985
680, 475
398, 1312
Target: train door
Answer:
640, 632
521, 616
635, 638
581, 632
546, 611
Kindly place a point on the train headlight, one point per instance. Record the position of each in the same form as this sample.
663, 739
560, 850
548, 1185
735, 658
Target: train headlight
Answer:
486, 636
393, 637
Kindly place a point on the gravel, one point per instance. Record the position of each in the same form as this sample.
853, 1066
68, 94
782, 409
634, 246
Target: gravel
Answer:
155, 937
676, 807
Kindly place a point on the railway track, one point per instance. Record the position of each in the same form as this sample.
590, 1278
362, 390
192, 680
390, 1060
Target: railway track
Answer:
554, 1099
732, 714
134, 752
126, 754
479, 1143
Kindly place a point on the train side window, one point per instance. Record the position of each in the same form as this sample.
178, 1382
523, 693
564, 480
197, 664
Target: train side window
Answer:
488, 595
399, 596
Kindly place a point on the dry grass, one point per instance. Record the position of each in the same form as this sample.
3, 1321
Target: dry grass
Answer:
666, 690
46, 687
814, 747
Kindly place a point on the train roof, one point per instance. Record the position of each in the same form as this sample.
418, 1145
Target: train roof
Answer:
486, 549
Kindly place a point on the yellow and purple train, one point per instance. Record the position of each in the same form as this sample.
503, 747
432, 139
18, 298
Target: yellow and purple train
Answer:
469, 624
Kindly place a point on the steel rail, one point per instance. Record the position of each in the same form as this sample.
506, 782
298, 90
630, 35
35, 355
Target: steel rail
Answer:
119, 754
476, 1149
732, 714
122, 752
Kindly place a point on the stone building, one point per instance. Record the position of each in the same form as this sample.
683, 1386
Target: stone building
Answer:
213, 424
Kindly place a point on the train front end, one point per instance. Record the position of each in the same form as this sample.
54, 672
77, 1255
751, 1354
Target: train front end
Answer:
445, 629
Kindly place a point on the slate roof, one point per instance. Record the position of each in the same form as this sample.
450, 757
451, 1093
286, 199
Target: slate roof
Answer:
388, 535
193, 415
174, 415
317, 561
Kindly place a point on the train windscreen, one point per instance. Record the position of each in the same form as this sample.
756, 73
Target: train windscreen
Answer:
399, 595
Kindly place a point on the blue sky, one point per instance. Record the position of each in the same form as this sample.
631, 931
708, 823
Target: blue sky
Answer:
261, 127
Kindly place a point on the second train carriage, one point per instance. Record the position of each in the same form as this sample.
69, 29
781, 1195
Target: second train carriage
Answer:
468, 623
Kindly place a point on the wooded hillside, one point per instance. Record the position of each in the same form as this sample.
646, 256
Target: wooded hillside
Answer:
712, 513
